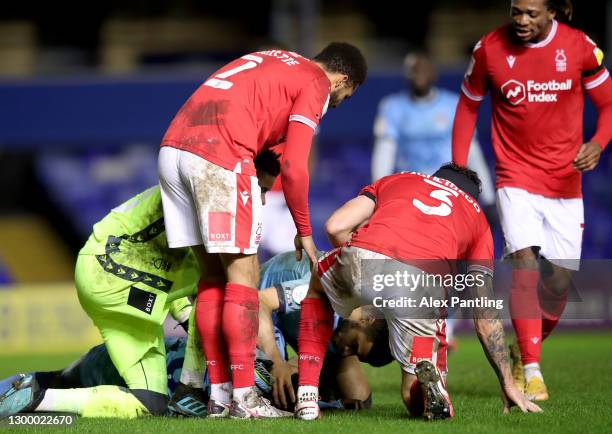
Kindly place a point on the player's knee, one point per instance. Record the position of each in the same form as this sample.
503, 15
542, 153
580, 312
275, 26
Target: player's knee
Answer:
557, 280
241, 269
525, 258
154, 402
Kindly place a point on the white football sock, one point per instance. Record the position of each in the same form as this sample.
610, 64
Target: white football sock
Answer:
192, 378
532, 370
221, 392
240, 392
308, 393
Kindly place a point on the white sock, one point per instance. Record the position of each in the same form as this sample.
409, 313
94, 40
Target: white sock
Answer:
308, 393
64, 400
240, 392
532, 370
192, 378
221, 392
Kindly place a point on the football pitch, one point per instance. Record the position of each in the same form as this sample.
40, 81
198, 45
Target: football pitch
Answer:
577, 368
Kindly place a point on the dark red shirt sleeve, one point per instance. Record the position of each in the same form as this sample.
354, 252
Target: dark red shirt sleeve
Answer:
473, 90
306, 113
602, 98
596, 81
294, 175
463, 129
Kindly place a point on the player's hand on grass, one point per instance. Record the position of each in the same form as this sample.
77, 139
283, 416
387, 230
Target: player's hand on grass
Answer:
511, 396
588, 157
306, 243
282, 389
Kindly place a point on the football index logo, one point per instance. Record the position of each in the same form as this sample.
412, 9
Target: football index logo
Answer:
514, 91
535, 91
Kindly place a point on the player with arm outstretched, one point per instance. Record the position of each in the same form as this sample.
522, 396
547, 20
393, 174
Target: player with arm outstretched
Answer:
402, 220
537, 70
210, 194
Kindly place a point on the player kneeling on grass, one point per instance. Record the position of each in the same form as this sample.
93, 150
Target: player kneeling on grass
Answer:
389, 228
344, 384
127, 279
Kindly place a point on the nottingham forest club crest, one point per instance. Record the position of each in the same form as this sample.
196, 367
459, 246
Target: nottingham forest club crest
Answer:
561, 60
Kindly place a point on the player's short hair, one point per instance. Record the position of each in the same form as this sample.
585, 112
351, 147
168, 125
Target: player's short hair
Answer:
344, 58
268, 161
563, 9
376, 332
380, 353
464, 178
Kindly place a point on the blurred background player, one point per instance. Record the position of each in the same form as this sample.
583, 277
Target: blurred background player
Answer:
361, 337
413, 128
392, 224
538, 69
127, 280
413, 132
211, 199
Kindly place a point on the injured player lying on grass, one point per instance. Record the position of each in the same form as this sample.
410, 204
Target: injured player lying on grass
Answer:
92, 386
343, 385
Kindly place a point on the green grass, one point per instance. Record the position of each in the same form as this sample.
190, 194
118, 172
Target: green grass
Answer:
577, 368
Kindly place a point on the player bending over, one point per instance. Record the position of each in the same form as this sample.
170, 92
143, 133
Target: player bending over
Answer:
210, 193
127, 279
389, 227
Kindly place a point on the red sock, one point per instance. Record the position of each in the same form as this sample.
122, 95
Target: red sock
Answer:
316, 324
209, 312
526, 314
240, 326
417, 402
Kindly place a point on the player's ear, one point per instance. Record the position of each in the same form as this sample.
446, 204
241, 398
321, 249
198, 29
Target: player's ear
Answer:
367, 321
342, 81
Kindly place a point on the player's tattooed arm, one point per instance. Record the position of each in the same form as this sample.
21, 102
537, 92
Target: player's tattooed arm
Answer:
491, 331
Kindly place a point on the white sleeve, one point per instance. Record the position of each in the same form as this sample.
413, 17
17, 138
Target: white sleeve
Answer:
478, 163
383, 156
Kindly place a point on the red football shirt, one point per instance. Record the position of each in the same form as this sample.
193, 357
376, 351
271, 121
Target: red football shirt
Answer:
246, 107
537, 92
421, 217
